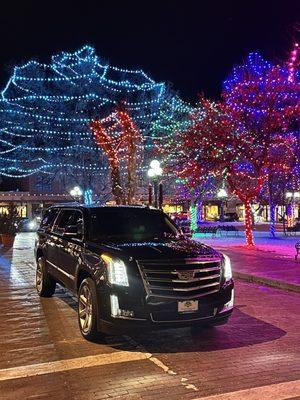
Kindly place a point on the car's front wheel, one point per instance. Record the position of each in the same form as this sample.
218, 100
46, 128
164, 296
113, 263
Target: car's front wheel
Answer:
44, 283
87, 310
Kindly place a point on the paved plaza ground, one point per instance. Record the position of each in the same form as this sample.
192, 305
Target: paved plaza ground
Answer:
280, 245
43, 356
271, 261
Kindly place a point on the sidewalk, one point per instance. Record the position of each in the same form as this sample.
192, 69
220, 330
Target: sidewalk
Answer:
271, 262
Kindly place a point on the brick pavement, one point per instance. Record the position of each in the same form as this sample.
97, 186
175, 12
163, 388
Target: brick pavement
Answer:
262, 267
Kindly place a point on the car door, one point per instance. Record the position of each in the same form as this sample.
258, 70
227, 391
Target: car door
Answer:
69, 247
47, 241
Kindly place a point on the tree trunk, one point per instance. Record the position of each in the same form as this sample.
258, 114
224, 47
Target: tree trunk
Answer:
132, 176
272, 219
193, 217
289, 214
88, 196
199, 211
248, 227
117, 190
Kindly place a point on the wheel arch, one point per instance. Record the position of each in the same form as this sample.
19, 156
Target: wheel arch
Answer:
39, 253
81, 275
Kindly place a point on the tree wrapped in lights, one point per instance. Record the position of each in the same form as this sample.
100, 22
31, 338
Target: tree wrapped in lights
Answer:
110, 147
46, 110
282, 171
265, 99
122, 142
133, 143
217, 145
183, 183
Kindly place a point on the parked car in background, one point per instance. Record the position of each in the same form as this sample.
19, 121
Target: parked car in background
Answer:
132, 270
28, 225
231, 217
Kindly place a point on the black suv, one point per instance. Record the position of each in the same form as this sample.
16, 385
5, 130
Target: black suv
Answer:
132, 268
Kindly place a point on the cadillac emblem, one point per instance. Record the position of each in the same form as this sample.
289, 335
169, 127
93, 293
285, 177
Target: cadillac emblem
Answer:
185, 275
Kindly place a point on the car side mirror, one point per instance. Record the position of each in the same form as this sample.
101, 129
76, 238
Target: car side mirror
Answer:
182, 234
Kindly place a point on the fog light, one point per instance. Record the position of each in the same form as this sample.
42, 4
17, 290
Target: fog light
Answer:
228, 306
127, 313
114, 305
116, 312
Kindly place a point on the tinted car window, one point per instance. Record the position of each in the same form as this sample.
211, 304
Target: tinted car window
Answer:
67, 218
130, 224
49, 218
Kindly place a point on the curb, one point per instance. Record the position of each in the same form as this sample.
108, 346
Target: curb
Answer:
267, 281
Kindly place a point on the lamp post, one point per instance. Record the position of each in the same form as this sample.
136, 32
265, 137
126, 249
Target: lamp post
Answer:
76, 193
222, 194
154, 172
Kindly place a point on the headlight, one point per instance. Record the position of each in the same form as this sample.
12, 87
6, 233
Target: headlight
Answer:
116, 270
227, 267
32, 225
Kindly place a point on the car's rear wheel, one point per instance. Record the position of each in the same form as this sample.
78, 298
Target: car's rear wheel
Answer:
88, 309
44, 283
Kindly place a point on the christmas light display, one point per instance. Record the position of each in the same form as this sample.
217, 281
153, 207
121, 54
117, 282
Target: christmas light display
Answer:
293, 63
193, 218
46, 110
216, 145
110, 146
133, 140
122, 143
265, 99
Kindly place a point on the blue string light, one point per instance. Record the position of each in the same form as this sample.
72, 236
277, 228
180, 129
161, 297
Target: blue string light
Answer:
46, 109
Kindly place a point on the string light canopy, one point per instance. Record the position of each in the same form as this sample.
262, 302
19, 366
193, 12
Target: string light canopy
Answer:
46, 110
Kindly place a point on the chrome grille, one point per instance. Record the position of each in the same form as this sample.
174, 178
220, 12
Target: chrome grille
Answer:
181, 279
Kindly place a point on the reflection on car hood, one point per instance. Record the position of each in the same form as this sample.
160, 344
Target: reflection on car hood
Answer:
162, 249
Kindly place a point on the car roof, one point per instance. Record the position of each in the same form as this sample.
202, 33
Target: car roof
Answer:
99, 206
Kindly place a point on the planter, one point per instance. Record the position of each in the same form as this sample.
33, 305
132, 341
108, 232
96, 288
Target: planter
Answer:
7, 240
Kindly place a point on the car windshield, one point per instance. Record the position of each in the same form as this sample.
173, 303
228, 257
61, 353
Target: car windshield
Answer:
132, 224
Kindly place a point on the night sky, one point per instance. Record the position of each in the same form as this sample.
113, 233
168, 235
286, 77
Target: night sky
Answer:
192, 44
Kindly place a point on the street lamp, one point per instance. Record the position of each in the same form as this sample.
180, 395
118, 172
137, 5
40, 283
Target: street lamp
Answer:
154, 172
222, 194
76, 193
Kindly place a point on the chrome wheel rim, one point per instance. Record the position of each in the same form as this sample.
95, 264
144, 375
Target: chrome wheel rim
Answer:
39, 276
85, 309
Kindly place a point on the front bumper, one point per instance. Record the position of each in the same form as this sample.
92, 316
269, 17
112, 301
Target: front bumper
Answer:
138, 313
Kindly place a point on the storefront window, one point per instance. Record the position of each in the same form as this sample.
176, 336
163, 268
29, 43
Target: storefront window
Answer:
211, 212
172, 208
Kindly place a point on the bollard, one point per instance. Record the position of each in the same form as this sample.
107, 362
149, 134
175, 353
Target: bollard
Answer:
297, 246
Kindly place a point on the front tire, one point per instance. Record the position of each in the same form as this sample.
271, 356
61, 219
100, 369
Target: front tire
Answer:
88, 310
44, 283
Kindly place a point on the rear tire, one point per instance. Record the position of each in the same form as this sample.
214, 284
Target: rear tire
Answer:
44, 283
87, 310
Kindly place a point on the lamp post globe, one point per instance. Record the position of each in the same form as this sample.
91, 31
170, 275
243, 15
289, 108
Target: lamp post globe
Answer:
154, 172
76, 193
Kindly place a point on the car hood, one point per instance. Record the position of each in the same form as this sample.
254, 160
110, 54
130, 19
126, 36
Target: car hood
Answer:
175, 249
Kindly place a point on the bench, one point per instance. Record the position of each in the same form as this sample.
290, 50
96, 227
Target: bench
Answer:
226, 230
